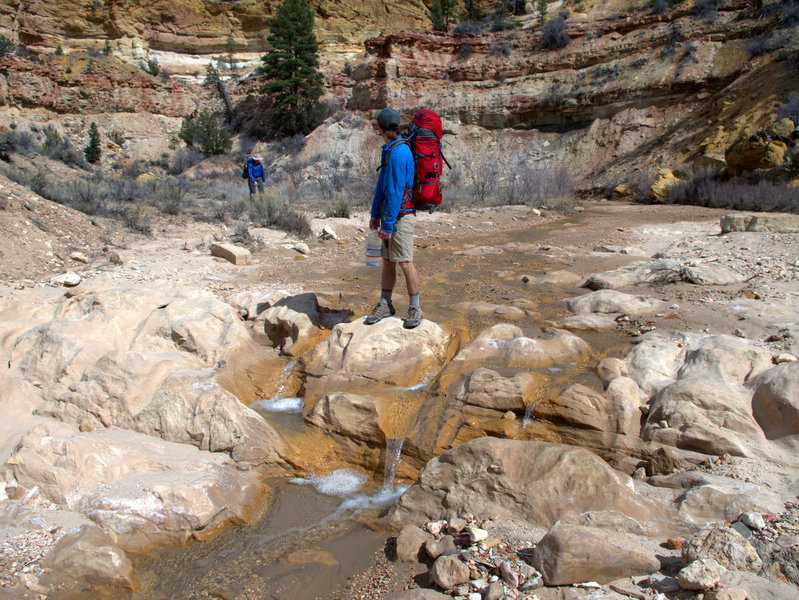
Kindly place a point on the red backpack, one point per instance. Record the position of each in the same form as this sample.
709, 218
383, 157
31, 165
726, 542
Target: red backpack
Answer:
424, 137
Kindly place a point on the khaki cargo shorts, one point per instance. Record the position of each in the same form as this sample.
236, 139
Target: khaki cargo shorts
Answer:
399, 247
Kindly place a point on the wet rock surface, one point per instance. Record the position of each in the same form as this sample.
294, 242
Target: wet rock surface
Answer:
669, 404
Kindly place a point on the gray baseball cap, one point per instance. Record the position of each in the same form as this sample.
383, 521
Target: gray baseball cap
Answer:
388, 117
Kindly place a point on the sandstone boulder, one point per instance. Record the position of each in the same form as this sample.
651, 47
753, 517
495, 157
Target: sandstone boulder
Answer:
775, 403
750, 152
664, 181
593, 322
410, 542
723, 544
783, 128
488, 389
506, 345
699, 401
659, 272
292, 323
144, 490
231, 253
771, 222
526, 480
90, 555
449, 571
483, 309
702, 574
611, 301
350, 415
165, 395
570, 554
384, 352
726, 499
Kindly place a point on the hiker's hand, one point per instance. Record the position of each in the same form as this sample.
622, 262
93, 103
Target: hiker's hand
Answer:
383, 235
374, 224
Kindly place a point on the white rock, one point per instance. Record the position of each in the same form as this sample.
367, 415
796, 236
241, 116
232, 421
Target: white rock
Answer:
701, 574
79, 257
753, 521
477, 535
784, 358
328, 233
435, 527
302, 248
67, 279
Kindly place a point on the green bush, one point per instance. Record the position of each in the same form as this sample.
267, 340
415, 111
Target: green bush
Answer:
204, 132
6, 45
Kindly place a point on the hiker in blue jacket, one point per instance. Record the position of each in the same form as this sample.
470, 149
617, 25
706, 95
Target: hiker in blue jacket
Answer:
255, 171
394, 214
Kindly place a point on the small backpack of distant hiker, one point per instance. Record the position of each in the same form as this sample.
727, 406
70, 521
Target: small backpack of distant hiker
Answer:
245, 174
424, 137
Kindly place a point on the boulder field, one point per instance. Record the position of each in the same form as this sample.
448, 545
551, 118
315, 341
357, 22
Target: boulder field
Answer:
540, 458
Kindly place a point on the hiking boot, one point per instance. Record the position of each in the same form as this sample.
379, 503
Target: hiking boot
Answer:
381, 311
413, 318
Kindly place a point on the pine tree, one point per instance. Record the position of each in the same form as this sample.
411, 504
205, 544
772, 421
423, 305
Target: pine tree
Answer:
92, 151
541, 5
442, 14
472, 11
291, 65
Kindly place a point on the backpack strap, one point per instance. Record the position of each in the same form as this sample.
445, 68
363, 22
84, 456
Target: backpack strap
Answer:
391, 146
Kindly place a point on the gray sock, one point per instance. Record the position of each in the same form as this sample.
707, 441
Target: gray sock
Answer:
385, 297
414, 300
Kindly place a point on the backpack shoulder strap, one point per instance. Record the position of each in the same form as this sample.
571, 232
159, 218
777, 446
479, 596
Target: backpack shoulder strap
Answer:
391, 146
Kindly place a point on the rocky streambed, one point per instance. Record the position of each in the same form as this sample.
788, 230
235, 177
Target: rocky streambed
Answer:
180, 426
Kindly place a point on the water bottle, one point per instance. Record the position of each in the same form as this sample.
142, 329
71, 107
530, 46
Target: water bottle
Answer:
374, 249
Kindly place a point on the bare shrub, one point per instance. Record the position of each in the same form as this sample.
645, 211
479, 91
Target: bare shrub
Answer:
183, 159
465, 50
60, 148
339, 208
764, 196
138, 218
84, 195
790, 109
554, 36
171, 196
501, 48
134, 168
467, 28
269, 210
124, 190
26, 142
706, 9
482, 171
536, 183
673, 39
660, 6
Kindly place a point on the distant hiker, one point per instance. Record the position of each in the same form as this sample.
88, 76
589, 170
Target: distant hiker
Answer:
254, 173
394, 214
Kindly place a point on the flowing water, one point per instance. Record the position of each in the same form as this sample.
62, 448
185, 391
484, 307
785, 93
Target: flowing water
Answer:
314, 531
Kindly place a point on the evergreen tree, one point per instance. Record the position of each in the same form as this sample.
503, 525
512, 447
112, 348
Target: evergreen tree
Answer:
92, 150
442, 13
204, 131
291, 65
472, 11
520, 8
541, 5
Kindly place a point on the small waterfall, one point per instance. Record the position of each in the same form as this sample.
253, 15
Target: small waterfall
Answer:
283, 378
528, 415
393, 449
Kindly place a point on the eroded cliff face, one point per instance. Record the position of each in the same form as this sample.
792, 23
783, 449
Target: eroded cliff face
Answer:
625, 94
193, 26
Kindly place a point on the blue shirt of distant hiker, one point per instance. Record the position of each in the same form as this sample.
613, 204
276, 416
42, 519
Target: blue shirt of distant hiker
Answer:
256, 170
394, 180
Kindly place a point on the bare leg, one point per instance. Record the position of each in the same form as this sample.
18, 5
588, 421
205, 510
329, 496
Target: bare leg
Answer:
389, 276
411, 277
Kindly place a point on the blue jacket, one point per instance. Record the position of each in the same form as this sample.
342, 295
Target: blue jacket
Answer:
255, 171
395, 178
